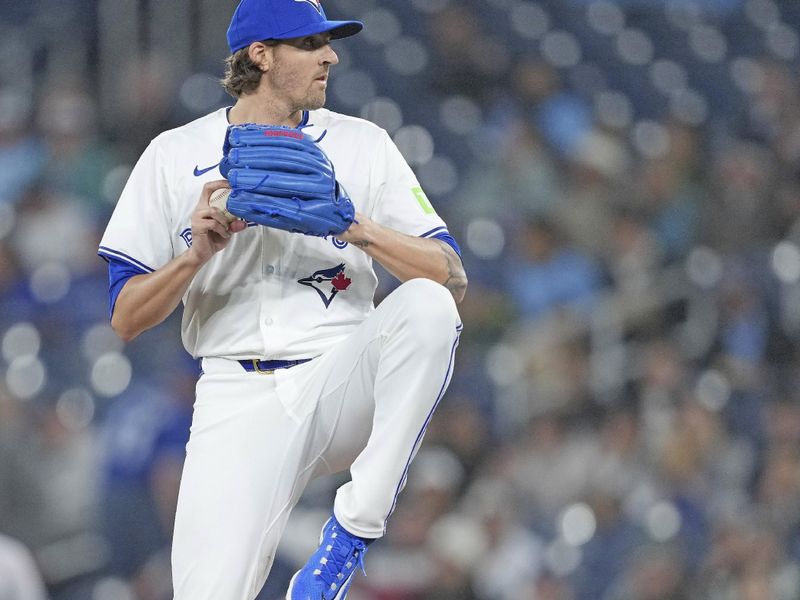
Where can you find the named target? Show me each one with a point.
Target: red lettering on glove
(280, 133)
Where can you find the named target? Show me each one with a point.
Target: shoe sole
(340, 596)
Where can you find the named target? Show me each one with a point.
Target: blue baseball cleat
(329, 571)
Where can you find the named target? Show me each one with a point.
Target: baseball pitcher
(264, 218)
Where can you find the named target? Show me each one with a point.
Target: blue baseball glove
(281, 178)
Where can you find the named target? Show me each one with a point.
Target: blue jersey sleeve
(118, 274)
(449, 240)
(441, 233)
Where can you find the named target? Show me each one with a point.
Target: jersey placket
(270, 293)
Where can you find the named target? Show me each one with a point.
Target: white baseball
(219, 200)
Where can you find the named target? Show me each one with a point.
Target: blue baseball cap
(256, 20)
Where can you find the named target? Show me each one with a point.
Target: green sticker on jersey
(424, 203)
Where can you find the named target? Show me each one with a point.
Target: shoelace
(341, 553)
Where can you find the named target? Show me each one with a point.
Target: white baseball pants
(257, 440)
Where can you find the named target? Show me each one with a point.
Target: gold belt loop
(261, 371)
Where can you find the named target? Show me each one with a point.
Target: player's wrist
(362, 233)
(194, 259)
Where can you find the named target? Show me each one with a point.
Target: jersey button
(269, 269)
(268, 321)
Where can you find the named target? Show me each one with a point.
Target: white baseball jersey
(269, 293)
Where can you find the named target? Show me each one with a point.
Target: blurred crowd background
(624, 181)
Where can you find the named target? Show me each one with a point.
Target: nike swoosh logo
(198, 172)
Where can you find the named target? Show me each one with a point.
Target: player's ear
(261, 55)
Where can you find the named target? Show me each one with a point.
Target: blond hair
(242, 75)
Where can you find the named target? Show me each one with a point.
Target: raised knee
(430, 305)
(433, 295)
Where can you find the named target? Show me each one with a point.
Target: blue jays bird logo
(314, 3)
(319, 280)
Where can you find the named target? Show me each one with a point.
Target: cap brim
(345, 29)
(338, 30)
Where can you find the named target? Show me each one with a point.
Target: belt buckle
(261, 371)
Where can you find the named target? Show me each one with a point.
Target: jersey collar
(303, 121)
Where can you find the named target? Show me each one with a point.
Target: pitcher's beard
(314, 101)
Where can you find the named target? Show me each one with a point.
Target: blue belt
(265, 367)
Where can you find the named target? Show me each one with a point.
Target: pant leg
(246, 465)
(377, 394)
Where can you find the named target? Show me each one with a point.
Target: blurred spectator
(19, 576)
(593, 189)
(513, 175)
(59, 458)
(46, 214)
(463, 428)
(546, 274)
(22, 155)
(743, 179)
(458, 545)
(402, 568)
(16, 304)
(615, 543)
(78, 160)
(621, 463)
(671, 191)
(514, 557)
(549, 587)
(634, 258)
(747, 562)
(744, 326)
(563, 117)
(21, 498)
(469, 61)
(778, 488)
(550, 465)
(143, 446)
(144, 102)
(774, 112)
(657, 573)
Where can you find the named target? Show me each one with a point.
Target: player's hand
(356, 234)
(211, 231)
